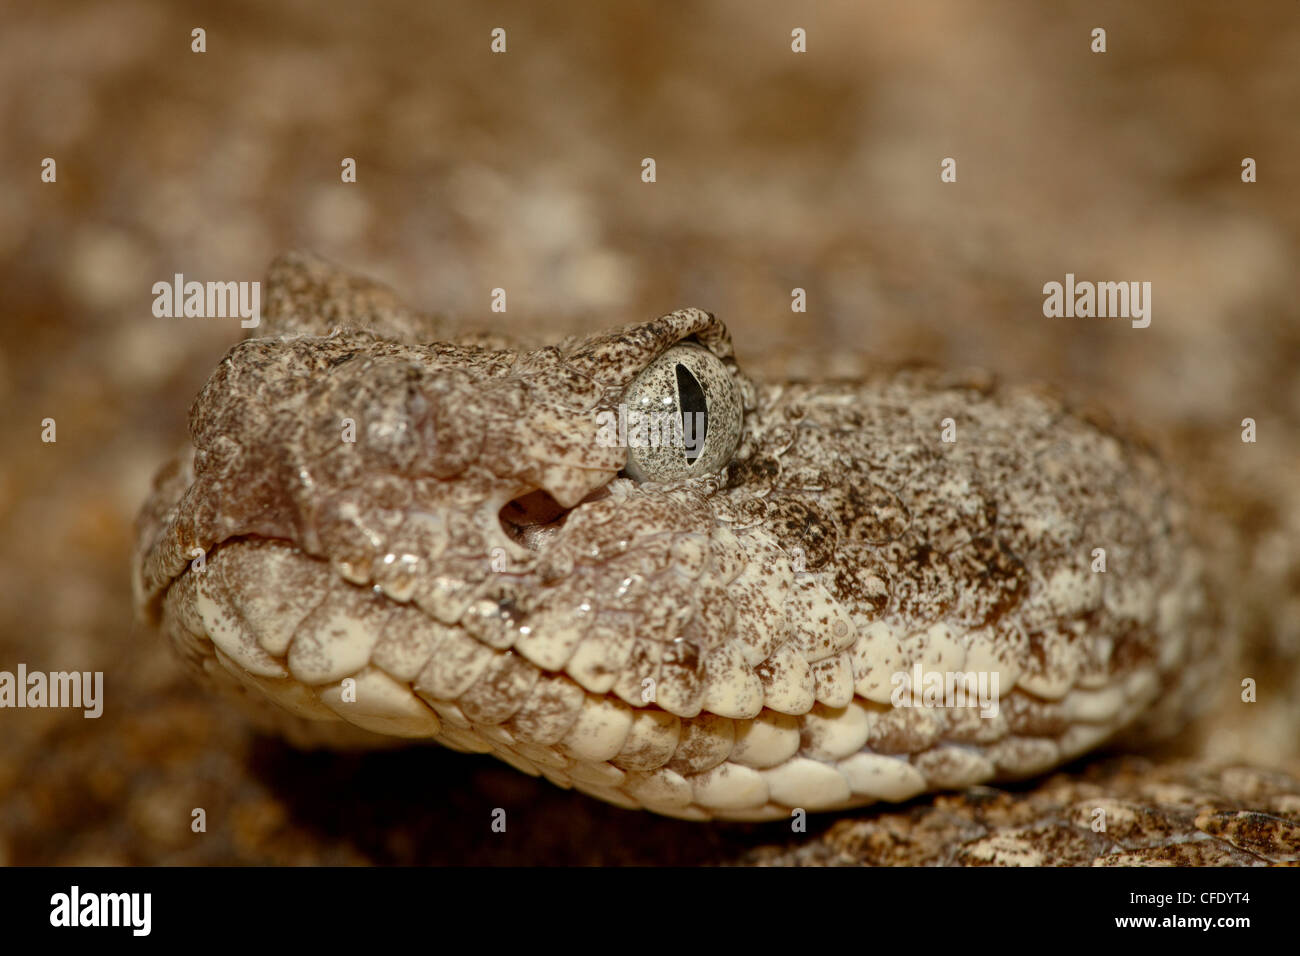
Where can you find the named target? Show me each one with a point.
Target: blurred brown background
(775, 170)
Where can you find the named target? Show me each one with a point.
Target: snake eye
(683, 416)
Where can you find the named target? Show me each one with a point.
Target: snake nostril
(532, 518)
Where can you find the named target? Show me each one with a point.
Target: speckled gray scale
(477, 568)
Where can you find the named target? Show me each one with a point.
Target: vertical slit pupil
(695, 412)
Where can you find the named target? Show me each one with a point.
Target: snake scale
(717, 632)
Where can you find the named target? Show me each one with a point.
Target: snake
(386, 529)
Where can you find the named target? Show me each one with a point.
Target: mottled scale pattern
(719, 646)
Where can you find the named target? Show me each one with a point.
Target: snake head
(384, 525)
